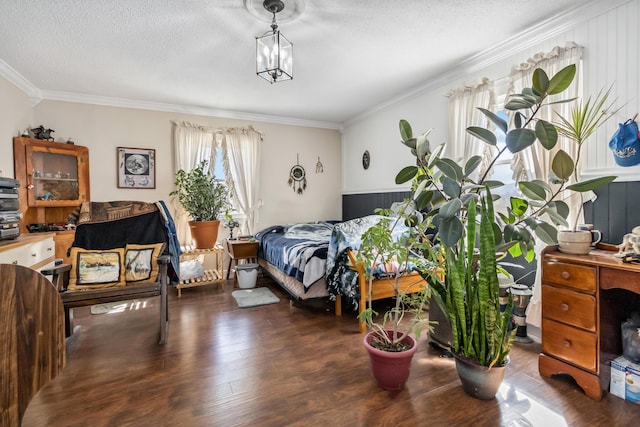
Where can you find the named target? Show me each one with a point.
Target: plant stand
(212, 275)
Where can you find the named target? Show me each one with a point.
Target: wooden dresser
(585, 298)
(36, 251)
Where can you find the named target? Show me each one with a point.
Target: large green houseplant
(205, 200)
(472, 235)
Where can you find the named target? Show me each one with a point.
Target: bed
(312, 260)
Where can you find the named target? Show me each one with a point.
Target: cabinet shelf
(42, 178)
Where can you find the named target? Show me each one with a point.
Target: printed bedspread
(299, 250)
(348, 235)
(310, 251)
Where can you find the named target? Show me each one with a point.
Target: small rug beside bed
(254, 297)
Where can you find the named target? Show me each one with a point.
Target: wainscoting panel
(357, 205)
(616, 210)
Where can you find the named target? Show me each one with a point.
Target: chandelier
(274, 53)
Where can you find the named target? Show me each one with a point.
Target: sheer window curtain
(463, 112)
(192, 144)
(535, 161)
(242, 148)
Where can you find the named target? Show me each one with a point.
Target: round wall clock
(366, 159)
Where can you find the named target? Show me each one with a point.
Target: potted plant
(585, 118)
(392, 338)
(472, 235)
(204, 199)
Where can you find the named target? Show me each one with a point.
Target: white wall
(103, 128)
(15, 116)
(609, 33)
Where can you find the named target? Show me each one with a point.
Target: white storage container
(247, 275)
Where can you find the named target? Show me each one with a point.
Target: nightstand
(241, 249)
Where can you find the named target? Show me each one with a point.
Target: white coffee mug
(596, 236)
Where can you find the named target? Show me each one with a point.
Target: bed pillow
(94, 269)
(317, 231)
(141, 263)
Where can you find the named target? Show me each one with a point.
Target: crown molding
(183, 109)
(526, 39)
(33, 93)
(36, 95)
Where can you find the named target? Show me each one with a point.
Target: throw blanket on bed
(298, 250)
(348, 235)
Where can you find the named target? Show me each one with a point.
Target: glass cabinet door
(53, 177)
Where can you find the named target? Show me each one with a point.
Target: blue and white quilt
(299, 250)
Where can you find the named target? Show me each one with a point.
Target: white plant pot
(575, 242)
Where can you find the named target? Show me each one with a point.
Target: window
(502, 168)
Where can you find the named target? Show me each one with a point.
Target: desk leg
(229, 268)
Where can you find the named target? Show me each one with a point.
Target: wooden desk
(585, 298)
(241, 249)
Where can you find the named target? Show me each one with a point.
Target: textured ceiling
(349, 55)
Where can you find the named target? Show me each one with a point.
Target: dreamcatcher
(297, 177)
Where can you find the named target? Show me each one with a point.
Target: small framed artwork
(136, 167)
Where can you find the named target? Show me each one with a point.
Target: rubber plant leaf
(591, 184)
(562, 165)
(497, 120)
(546, 134)
(406, 174)
(519, 139)
(484, 134)
(562, 79)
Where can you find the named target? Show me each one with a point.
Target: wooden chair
(32, 343)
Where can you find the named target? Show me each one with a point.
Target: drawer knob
(566, 343)
(15, 262)
(565, 275)
(565, 307)
(49, 249)
(34, 254)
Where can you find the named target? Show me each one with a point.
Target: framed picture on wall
(136, 167)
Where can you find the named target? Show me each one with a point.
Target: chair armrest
(58, 269)
(60, 276)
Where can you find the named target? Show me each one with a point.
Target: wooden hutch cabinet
(585, 299)
(54, 181)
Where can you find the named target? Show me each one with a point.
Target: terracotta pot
(479, 381)
(205, 233)
(575, 242)
(390, 369)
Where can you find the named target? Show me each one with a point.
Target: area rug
(117, 307)
(254, 297)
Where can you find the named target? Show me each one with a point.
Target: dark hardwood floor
(280, 365)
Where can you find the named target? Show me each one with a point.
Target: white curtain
(192, 144)
(463, 113)
(535, 161)
(242, 147)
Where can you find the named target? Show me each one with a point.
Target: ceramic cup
(596, 236)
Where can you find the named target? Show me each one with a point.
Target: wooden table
(241, 249)
(585, 298)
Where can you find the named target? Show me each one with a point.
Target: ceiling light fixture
(274, 53)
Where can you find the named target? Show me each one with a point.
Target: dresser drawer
(570, 344)
(569, 275)
(34, 254)
(570, 307)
